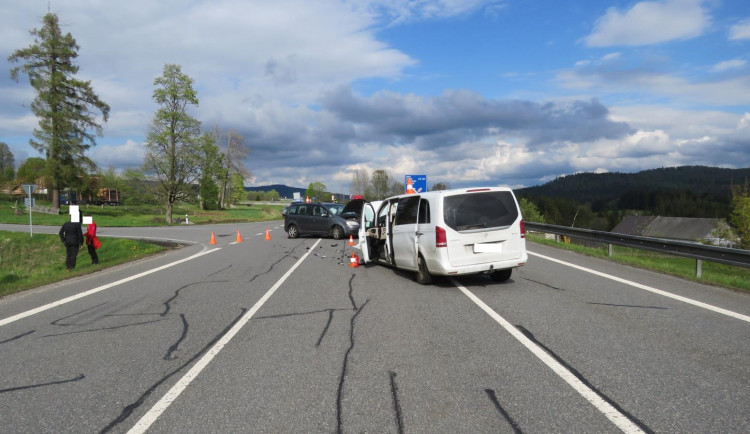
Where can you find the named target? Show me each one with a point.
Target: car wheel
(501, 275)
(423, 275)
(337, 232)
(293, 231)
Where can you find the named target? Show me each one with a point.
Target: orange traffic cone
(268, 235)
(213, 239)
(351, 240)
(239, 237)
(354, 262)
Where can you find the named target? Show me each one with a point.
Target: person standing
(92, 242)
(72, 236)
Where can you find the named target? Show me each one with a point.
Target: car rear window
(492, 209)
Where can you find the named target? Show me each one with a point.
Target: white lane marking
(610, 412)
(98, 289)
(710, 307)
(149, 418)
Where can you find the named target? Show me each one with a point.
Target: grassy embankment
(713, 273)
(30, 261)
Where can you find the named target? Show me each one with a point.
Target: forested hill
(604, 187)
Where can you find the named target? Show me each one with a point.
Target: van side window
(424, 211)
(406, 213)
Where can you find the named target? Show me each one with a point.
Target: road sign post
(29, 188)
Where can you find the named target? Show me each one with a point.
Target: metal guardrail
(699, 252)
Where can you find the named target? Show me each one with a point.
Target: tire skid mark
(513, 424)
(104, 328)
(57, 322)
(272, 265)
(344, 368)
(628, 305)
(219, 271)
(544, 284)
(325, 329)
(129, 409)
(182, 337)
(583, 379)
(17, 337)
(51, 383)
(396, 403)
(286, 315)
(167, 304)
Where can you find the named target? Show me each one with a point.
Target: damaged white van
(446, 233)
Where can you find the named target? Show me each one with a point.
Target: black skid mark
(544, 284)
(57, 321)
(51, 383)
(219, 271)
(128, 410)
(271, 267)
(175, 345)
(286, 315)
(351, 291)
(104, 328)
(396, 403)
(325, 329)
(629, 305)
(344, 368)
(17, 337)
(168, 307)
(583, 379)
(513, 424)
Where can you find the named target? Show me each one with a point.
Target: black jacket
(71, 234)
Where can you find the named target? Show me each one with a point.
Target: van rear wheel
(423, 275)
(293, 231)
(501, 275)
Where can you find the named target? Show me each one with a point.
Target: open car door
(367, 221)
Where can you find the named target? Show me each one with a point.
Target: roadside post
(29, 202)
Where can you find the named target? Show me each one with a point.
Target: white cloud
(740, 31)
(646, 85)
(728, 64)
(650, 22)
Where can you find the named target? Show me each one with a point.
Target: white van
(446, 233)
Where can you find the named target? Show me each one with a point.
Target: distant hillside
(283, 190)
(598, 187)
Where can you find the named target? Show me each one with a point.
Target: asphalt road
(282, 335)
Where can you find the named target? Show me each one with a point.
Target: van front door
(367, 236)
(405, 233)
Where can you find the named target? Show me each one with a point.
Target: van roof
(453, 191)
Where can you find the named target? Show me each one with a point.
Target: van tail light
(441, 240)
(523, 230)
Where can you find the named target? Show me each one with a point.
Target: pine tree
(64, 105)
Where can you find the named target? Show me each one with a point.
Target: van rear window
(493, 209)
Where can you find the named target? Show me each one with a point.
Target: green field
(144, 215)
(30, 261)
(713, 273)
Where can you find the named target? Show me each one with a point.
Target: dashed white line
(710, 307)
(98, 289)
(610, 412)
(153, 414)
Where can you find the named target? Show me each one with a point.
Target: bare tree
(360, 182)
(234, 151)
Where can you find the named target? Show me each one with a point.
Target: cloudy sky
(469, 92)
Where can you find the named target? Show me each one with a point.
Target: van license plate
(488, 248)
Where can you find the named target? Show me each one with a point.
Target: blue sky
(469, 92)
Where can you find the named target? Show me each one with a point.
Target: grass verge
(27, 262)
(713, 273)
(144, 215)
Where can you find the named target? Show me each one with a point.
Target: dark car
(321, 219)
